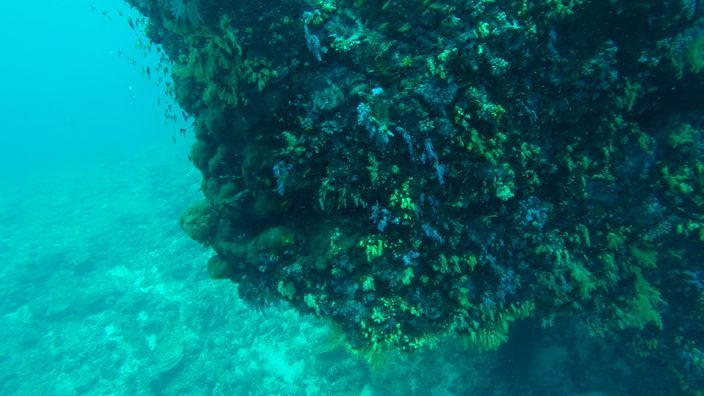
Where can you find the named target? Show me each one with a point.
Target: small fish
(173, 139)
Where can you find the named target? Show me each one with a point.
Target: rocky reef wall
(419, 169)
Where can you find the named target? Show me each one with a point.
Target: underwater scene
(352, 197)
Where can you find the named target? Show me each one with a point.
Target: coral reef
(417, 170)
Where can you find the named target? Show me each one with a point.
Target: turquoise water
(102, 291)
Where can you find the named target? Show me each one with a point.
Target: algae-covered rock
(219, 268)
(414, 170)
(198, 221)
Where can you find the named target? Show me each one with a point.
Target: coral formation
(415, 170)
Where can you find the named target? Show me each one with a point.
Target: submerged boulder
(418, 169)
